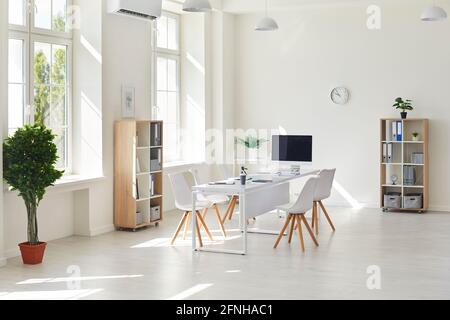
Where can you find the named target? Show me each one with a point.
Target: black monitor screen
(292, 148)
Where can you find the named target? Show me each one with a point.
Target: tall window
(39, 69)
(167, 82)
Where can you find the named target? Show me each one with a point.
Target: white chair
(296, 214)
(323, 191)
(227, 173)
(183, 201)
(214, 199)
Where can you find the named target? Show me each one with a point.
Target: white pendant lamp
(266, 23)
(197, 6)
(434, 13)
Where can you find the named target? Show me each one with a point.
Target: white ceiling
(247, 6)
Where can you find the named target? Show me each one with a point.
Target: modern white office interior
(224, 149)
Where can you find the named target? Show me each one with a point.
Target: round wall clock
(340, 95)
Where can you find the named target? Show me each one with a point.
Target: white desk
(254, 199)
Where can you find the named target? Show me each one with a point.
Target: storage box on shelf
(404, 164)
(138, 174)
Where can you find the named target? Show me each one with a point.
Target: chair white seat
(322, 192)
(285, 207)
(296, 214)
(199, 206)
(214, 198)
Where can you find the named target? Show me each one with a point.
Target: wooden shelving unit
(402, 152)
(138, 173)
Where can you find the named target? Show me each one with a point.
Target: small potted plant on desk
(404, 105)
(29, 158)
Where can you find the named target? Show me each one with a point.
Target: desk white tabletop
(251, 186)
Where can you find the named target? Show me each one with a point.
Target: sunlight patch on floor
(72, 279)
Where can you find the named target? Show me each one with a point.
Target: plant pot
(404, 115)
(32, 254)
(416, 138)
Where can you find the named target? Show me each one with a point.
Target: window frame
(174, 55)
(69, 87)
(16, 35)
(29, 34)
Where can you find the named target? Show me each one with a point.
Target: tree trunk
(33, 238)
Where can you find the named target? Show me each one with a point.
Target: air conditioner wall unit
(140, 9)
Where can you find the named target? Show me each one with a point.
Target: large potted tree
(29, 158)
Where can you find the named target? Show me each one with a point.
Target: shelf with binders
(391, 153)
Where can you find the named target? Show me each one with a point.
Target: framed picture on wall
(128, 103)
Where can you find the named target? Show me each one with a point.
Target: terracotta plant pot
(32, 254)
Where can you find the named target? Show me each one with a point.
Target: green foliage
(29, 158)
(415, 134)
(251, 142)
(403, 105)
(59, 24)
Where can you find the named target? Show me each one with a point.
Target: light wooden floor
(412, 252)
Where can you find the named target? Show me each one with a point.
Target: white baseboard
(102, 230)
(370, 205)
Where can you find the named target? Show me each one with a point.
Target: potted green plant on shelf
(415, 136)
(252, 144)
(404, 105)
(29, 158)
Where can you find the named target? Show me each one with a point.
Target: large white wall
(284, 79)
(3, 101)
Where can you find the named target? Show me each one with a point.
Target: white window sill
(73, 180)
(68, 181)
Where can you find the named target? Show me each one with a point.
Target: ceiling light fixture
(434, 13)
(266, 23)
(197, 6)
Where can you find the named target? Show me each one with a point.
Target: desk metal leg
(194, 221)
(243, 220)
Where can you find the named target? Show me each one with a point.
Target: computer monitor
(292, 149)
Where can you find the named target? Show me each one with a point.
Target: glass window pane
(172, 33)
(161, 36)
(61, 145)
(42, 104)
(59, 65)
(162, 105)
(172, 74)
(15, 105)
(57, 116)
(161, 73)
(43, 14)
(172, 107)
(42, 60)
(15, 61)
(59, 15)
(17, 12)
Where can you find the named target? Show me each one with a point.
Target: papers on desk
(222, 183)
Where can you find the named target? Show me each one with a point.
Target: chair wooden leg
(288, 219)
(327, 216)
(316, 218)
(291, 231)
(204, 213)
(180, 225)
(313, 214)
(309, 230)
(186, 225)
(219, 220)
(233, 206)
(199, 235)
(300, 233)
(202, 222)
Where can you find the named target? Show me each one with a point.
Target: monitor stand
(292, 170)
(295, 169)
